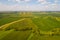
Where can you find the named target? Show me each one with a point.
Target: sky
(29, 5)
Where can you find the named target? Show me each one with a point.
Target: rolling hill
(36, 27)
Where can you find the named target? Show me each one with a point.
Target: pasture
(30, 26)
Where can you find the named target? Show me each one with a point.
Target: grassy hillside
(46, 23)
(30, 26)
(17, 35)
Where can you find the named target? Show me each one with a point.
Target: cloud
(39, 7)
(19, 1)
(43, 2)
(15, 0)
(56, 1)
(27, 0)
(46, 2)
(28, 7)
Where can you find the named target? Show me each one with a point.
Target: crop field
(29, 25)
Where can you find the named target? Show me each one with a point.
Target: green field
(30, 26)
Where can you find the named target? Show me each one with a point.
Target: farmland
(30, 26)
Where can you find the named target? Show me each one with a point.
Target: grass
(46, 23)
(17, 35)
(34, 27)
(8, 20)
(25, 24)
(5, 33)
